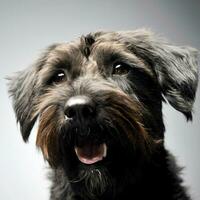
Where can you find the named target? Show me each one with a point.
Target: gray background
(26, 27)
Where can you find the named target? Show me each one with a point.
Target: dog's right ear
(24, 91)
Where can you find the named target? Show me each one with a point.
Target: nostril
(87, 110)
(70, 112)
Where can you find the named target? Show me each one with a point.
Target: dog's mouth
(91, 153)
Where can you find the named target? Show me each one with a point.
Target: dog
(98, 102)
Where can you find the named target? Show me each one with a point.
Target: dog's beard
(118, 128)
(50, 123)
(86, 164)
(93, 182)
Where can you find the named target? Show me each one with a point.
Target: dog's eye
(121, 69)
(58, 77)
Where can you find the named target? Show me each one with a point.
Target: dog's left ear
(176, 67)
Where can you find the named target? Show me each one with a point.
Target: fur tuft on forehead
(86, 42)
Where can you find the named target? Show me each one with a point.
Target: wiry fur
(127, 113)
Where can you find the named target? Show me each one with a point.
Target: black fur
(122, 78)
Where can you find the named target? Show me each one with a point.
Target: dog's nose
(79, 107)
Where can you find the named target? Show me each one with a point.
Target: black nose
(79, 107)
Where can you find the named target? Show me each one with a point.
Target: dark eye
(121, 69)
(58, 77)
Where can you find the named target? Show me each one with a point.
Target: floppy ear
(24, 91)
(176, 67)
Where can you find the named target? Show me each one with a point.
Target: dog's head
(99, 101)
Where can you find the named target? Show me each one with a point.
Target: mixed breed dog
(98, 101)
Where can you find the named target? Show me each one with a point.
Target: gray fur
(24, 90)
(176, 67)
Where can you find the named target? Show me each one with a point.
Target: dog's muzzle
(81, 110)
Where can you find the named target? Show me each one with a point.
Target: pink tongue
(90, 153)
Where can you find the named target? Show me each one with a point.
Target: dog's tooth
(76, 151)
(105, 150)
(66, 118)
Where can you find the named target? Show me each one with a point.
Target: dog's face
(99, 99)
